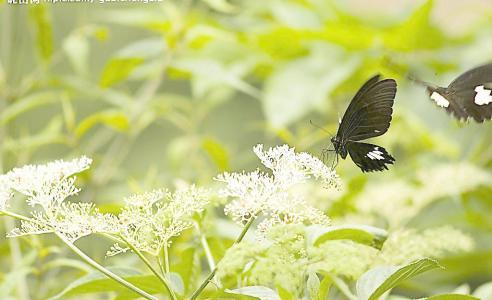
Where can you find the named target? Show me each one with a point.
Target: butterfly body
(368, 116)
(469, 96)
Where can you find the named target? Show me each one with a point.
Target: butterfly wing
(369, 157)
(369, 112)
(472, 78)
(470, 94)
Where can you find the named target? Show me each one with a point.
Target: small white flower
(47, 185)
(150, 220)
(274, 195)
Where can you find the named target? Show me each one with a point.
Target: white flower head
(73, 220)
(151, 219)
(272, 195)
(5, 192)
(47, 185)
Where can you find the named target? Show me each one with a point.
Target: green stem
(149, 265)
(212, 274)
(103, 270)
(85, 258)
(342, 287)
(166, 258)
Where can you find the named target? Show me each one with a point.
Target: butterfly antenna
(319, 127)
(420, 82)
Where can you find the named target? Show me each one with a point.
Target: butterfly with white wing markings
(469, 96)
(368, 115)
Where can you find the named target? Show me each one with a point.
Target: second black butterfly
(368, 115)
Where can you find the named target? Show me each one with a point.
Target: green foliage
(175, 92)
(377, 281)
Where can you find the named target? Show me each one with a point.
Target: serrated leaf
(260, 292)
(217, 153)
(97, 282)
(118, 69)
(114, 119)
(377, 281)
(363, 234)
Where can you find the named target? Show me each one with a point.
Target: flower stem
(86, 258)
(149, 265)
(212, 274)
(103, 270)
(166, 258)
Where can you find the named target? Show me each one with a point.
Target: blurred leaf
(186, 267)
(260, 292)
(112, 118)
(217, 153)
(302, 85)
(416, 32)
(44, 32)
(221, 5)
(147, 18)
(452, 297)
(176, 282)
(362, 234)
(10, 280)
(28, 103)
(118, 69)
(377, 281)
(313, 285)
(76, 47)
(209, 74)
(324, 288)
(284, 294)
(50, 134)
(484, 291)
(97, 282)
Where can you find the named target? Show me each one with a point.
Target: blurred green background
(178, 91)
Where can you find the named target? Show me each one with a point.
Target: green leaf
(324, 287)
(362, 234)
(217, 153)
(118, 69)
(260, 292)
(98, 283)
(28, 103)
(452, 297)
(176, 282)
(114, 119)
(377, 281)
(185, 267)
(416, 32)
(313, 285)
(76, 48)
(484, 291)
(302, 85)
(44, 31)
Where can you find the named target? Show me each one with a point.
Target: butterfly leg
(334, 162)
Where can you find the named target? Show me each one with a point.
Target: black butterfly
(367, 116)
(468, 96)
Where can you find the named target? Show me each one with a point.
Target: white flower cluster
(150, 220)
(47, 187)
(272, 196)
